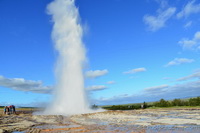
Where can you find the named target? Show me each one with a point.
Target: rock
(3, 131)
(34, 130)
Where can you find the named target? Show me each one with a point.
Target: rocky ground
(134, 121)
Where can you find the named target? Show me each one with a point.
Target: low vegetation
(178, 102)
(192, 102)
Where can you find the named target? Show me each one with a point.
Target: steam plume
(70, 96)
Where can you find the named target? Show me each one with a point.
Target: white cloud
(135, 70)
(192, 44)
(178, 61)
(190, 89)
(110, 82)
(163, 3)
(21, 84)
(188, 24)
(192, 76)
(197, 36)
(187, 44)
(96, 73)
(96, 88)
(156, 22)
(156, 88)
(189, 9)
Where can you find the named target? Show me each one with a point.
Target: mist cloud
(67, 34)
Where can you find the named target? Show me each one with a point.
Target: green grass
(181, 103)
(176, 107)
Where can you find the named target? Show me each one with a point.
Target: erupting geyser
(70, 96)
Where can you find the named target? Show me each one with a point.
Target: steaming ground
(148, 120)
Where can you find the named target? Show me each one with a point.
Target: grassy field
(177, 107)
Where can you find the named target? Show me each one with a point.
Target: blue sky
(137, 50)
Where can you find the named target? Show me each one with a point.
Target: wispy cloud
(156, 22)
(96, 73)
(110, 82)
(178, 90)
(96, 88)
(178, 61)
(192, 76)
(188, 24)
(160, 88)
(21, 84)
(135, 70)
(190, 8)
(190, 89)
(192, 44)
(163, 3)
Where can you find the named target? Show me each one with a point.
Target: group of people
(9, 110)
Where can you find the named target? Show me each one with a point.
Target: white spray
(70, 96)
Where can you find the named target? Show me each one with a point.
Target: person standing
(8, 110)
(5, 109)
(11, 109)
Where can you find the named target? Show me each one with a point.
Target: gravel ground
(134, 121)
